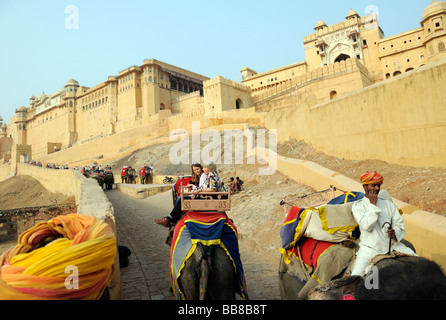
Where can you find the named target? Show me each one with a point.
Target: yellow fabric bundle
(76, 264)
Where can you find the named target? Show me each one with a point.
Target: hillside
(423, 187)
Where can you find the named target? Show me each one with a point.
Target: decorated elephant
(131, 175)
(145, 175)
(208, 274)
(109, 179)
(206, 270)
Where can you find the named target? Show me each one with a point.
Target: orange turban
(371, 178)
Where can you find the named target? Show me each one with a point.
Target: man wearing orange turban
(379, 221)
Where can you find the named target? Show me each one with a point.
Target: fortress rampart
(401, 120)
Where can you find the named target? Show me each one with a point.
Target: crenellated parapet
(366, 22)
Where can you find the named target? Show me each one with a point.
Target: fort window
(396, 73)
(437, 24)
(333, 95)
(441, 47)
(410, 69)
(387, 75)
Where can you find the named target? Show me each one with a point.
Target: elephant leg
(189, 278)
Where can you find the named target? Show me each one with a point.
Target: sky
(45, 43)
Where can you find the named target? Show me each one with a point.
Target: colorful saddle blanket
(333, 222)
(311, 251)
(208, 228)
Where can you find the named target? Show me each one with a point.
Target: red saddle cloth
(311, 250)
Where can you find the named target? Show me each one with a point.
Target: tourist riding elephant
(401, 277)
(209, 275)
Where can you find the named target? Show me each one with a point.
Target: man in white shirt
(379, 221)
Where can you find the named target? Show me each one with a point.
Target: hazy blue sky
(210, 37)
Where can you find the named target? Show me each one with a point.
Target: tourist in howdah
(212, 183)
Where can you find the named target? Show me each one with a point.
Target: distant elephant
(145, 175)
(400, 278)
(209, 275)
(131, 175)
(109, 180)
(149, 175)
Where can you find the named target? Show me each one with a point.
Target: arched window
(396, 73)
(333, 95)
(387, 75)
(410, 69)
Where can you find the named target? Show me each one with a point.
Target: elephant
(145, 175)
(295, 281)
(209, 275)
(131, 175)
(109, 180)
(402, 277)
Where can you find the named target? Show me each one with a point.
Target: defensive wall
(325, 83)
(401, 120)
(425, 230)
(90, 201)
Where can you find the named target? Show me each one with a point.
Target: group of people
(204, 178)
(95, 169)
(235, 185)
(129, 174)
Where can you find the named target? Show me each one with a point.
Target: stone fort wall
(400, 120)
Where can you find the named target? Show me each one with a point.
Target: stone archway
(238, 103)
(342, 57)
(24, 158)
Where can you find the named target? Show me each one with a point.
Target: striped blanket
(208, 228)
